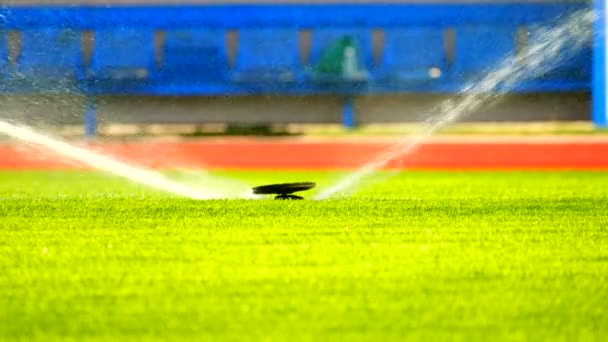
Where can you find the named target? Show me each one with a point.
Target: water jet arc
(102, 162)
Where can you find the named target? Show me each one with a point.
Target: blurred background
(128, 67)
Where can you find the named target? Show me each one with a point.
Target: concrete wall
(276, 109)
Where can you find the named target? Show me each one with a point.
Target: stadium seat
(122, 54)
(194, 55)
(325, 39)
(267, 55)
(479, 49)
(60, 59)
(3, 55)
(411, 54)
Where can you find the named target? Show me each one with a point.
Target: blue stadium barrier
(267, 55)
(183, 50)
(50, 55)
(193, 56)
(414, 54)
(479, 48)
(122, 54)
(4, 72)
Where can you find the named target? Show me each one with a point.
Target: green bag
(340, 60)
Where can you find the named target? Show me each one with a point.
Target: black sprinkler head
(284, 191)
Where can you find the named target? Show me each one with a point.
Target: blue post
(90, 120)
(599, 94)
(348, 112)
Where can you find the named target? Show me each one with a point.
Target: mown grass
(417, 255)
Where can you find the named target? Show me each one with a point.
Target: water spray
(542, 55)
(105, 163)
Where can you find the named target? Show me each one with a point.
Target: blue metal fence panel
(122, 54)
(50, 54)
(267, 55)
(412, 54)
(3, 55)
(478, 49)
(193, 56)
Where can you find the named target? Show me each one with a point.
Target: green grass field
(419, 255)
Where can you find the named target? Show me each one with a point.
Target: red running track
(474, 154)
